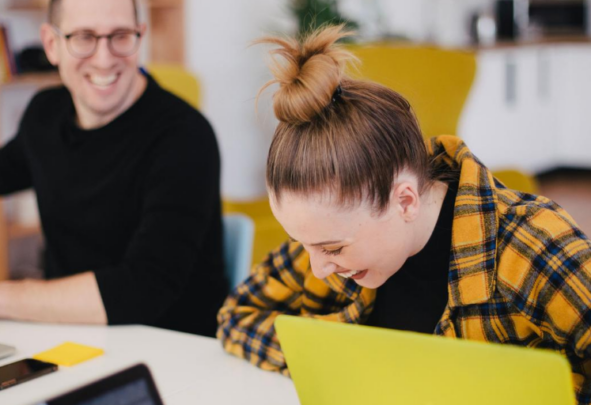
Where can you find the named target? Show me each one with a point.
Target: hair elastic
(337, 94)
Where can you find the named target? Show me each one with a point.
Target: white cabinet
(530, 108)
(573, 66)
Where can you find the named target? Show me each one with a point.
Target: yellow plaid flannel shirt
(520, 273)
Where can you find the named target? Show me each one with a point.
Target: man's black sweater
(136, 201)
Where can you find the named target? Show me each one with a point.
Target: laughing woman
(392, 232)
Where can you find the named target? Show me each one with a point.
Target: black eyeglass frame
(97, 38)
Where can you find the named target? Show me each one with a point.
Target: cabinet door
(572, 67)
(511, 119)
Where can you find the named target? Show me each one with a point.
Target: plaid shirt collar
(472, 273)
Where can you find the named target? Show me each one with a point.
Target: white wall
(218, 37)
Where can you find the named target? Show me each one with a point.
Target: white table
(188, 369)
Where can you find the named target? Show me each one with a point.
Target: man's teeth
(103, 81)
(349, 273)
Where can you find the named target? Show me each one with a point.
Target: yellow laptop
(341, 364)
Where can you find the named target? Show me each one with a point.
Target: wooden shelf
(165, 3)
(27, 4)
(544, 40)
(40, 79)
(167, 35)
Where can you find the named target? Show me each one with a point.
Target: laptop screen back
(334, 363)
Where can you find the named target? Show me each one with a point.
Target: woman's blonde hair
(348, 136)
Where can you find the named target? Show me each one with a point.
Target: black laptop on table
(132, 386)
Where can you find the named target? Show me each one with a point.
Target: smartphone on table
(23, 370)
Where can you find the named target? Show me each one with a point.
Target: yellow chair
(178, 81)
(435, 81)
(517, 180)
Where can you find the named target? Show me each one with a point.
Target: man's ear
(143, 28)
(405, 197)
(50, 43)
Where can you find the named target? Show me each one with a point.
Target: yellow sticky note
(69, 354)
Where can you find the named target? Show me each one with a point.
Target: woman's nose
(321, 267)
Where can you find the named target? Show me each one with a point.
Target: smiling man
(127, 182)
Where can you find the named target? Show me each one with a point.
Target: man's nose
(103, 56)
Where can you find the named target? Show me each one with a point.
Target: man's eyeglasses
(83, 44)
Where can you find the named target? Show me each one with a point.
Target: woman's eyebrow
(328, 242)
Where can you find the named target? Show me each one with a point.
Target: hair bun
(308, 73)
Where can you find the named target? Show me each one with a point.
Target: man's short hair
(55, 5)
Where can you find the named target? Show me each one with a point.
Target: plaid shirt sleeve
(282, 284)
(555, 293)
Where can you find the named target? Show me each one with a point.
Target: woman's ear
(49, 40)
(405, 198)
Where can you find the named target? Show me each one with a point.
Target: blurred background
(510, 77)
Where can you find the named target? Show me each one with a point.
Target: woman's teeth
(349, 273)
(103, 81)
